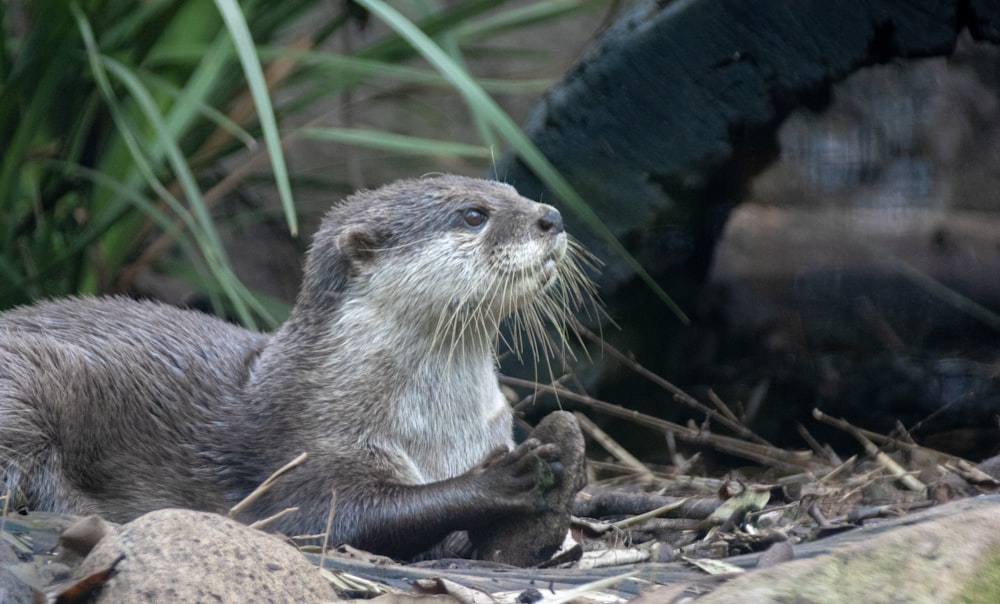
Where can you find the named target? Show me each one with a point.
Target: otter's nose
(551, 221)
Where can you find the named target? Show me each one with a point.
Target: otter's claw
(522, 473)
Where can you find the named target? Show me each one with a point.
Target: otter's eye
(474, 217)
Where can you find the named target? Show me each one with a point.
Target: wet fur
(384, 374)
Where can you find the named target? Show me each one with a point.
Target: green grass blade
(199, 108)
(240, 33)
(130, 196)
(206, 238)
(398, 143)
(211, 244)
(125, 195)
(345, 71)
(206, 233)
(395, 49)
(475, 96)
(191, 98)
(523, 16)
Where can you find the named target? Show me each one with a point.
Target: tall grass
(119, 119)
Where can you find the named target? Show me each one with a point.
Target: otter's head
(450, 257)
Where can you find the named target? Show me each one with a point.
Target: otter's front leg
(404, 520)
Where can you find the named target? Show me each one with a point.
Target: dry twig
(726, 419)
(767, 454)
(329, 525)
(266, 521)
(264, 486)
(612, 446)
(909, 480)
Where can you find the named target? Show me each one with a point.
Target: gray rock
(12, 589)
(186, 556)
(947, 554)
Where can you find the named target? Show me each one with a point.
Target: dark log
(664, 121)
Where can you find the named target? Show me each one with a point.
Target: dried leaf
(713, 567)
(81, 590)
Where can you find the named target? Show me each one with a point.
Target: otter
(384, 373)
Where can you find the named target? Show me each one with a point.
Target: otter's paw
(530, 468)
(529, 539)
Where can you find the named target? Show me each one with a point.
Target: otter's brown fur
(384, 374)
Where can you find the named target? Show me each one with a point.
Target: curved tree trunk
(675, 109)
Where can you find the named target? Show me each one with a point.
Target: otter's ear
(359, 245)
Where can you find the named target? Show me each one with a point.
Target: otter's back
(81, 377)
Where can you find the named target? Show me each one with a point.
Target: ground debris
(685, 529)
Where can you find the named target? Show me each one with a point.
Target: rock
(186, 556)
(947, 554)
(80, 538)
(12, 589)
(528, 540)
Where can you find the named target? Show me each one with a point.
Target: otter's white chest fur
(451, 416)
(432, 410)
